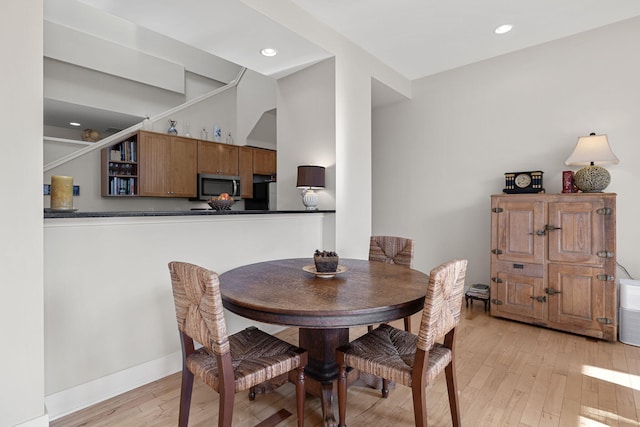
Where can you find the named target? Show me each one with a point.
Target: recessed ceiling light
(267, 51)
(74, 124)
(502, 29)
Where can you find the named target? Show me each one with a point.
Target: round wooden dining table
(287, 292)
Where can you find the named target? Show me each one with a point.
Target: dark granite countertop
(197, 212)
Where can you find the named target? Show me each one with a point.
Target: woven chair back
(443, 302)
(391, 250)
(199, 311)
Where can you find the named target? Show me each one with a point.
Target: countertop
(198, 212)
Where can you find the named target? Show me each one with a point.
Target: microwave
(210, 185)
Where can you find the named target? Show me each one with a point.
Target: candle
(61, 192)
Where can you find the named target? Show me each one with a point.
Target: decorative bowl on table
(326, 261)
(221, 205)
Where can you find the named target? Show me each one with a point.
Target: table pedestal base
(321, 374)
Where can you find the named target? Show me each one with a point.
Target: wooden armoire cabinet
(553, 261)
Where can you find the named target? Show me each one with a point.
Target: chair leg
(300, 396)
(369, 328)
(185, 397)
(407, 324)
(342, 391)
(252, 393)
(452, 389)
(225, 411)
(385, 388)
(419, 405)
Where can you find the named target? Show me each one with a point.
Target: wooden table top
(281, 292)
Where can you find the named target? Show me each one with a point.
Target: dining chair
(392, 250)
(226, 363)
(414, 361)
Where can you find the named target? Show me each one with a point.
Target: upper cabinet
(264, 162)
(155, 164)
(245, 166)
(217, 159)
(167, 165)
(255, 161)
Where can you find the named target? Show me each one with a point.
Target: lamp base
(592, 179)
(310, 199)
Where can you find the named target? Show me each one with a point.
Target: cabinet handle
(540, 232)
(552, 291)
(551, 227)
(605, 254)
(496, 279)
(540, 298)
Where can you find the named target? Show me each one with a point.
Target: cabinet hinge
(497, 210)
(496, 251)
(604, 211)
(605, 277)
(605, 254)
(496, 301)
(496, 279)
(604, 320)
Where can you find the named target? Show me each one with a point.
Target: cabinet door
(518, 297)
(228, 157)
(245, 166)
(519, 231)
(576, 232)
(576, 298)
(264, 162)
(154, 152)
(183, 167)
(217, 159)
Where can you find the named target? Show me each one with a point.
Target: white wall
(108, 301)
(21, 317)
(306, 132)
(255, 95)
(440, 155)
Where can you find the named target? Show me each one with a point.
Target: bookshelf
(119, 168)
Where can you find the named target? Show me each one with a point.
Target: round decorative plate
(312, 269)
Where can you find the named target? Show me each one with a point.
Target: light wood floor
(509, 374)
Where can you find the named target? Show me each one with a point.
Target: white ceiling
(415, 37)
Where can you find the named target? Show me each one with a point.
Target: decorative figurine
(172, 127)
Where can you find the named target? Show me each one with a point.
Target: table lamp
(591, 151)
(310, 178)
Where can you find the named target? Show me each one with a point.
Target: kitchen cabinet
(217, 159)
(264, 162)
(553, 261)
(245, 167)
(255, 161)
(167, 165)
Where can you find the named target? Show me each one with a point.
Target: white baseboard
(42, 421)
(79, 397)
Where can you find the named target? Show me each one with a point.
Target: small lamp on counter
(591, 151)
(310, 178)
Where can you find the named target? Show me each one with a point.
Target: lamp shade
(592, 150)
(310, 176)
